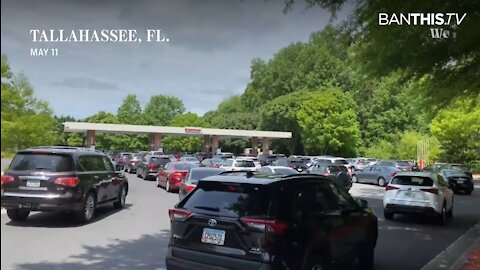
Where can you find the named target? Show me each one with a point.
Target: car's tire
(89, 207)
(381, 181)
(442, 217)
(366, 255)
(167, 186)
(388, 215)
(354, 179)
(122, 197)
(17, 214)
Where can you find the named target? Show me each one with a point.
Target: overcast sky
(207, 59)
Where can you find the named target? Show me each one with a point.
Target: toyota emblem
(212, 222)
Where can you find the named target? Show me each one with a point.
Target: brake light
(274, 226)
(67, 181)
(179, 215)
(7, 179)
(132, 162)
(430, 190)
(189, 188)
(391, 188)
(151, 166)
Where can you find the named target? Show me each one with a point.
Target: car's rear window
(196, 175)
(337, 169)
(454, 173)
(229, 199)
(183, 167)
(159, 160)
(403, 163)
(245, 163)
(386, 163)
(459, 167)
(45, 162)
(412, 181)
(323, 161)
(340, 162)
(193, 159)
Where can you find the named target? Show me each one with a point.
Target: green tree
(75, 139)
(329, 123)
(130, 111)
(161, 109)
(185, 144)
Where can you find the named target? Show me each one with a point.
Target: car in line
(296, 163)
(63, 179)
(224, 155)
(211, 162)
(376, 174)
(172, 174)
(244, 221)
(132, 164)
(255, 160)
(436, 167)
(458, 180)
(337, 173)
(238, 164)
(266, 159)
(402, 165)
(195, 174)
(122, 158)
(190, 159)
(150, 165)
(358, 163)
(421, 193)
(277, 170)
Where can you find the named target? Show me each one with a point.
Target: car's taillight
(391, 188)
(67, 181)
(190, 188)
(179, 215)
(430, 190)
(133, 162)
(7, 179)
(151, 166)
(274, 226)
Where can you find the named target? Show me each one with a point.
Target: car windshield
(407, 180)
(196, 175)
(45, 162)
(229, 199)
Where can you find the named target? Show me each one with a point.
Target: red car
(170, 177)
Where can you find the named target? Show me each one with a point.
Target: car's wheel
(167, 186)
(354, 179)
(442, 217)
(17, 214)
(388, 215)
(88, 208)
(122, 197)
(366, 255)
(381, 181)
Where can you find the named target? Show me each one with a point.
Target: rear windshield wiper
(209, 208)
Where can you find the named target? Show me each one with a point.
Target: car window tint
(245, 163)
(345, 201)
(340, 162)
(47, 162)
(196, 175)
(412, 181)
(229, 199)
(183, 167)
(108, 165)
(285, 171)
(312, 198)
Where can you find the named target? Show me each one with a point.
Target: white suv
(418, 193)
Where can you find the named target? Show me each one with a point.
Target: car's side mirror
(363, 204)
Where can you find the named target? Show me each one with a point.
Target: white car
(278, 170)
(418, 193)
(255, 160)
(238, 165)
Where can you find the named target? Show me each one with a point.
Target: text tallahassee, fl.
(93, 35)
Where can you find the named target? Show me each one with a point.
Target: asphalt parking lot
(136, 237)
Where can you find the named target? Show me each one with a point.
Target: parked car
(277, 170)
(358, 163)
(131, 166)
(211, 162)
(224, 155)
(335, 161)
(402, 165)
(458, 180)
(462, 167)
(63, 179)
(266, 159)
(150, 165)
(190, 159)
(238, 164)
(172, 174)
(337, 173)
(379, 175)
(418, 193)
(202, 155)
(193, 177)
(122, 158)
(255, 160)
(296, 163)
(372, 161)
(247, 222)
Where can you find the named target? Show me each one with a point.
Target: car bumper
(464, 187)
(48, 202)
(410, 209)
(184, 259)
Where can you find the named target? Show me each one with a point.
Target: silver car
(379, 175)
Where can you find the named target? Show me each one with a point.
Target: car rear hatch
(412, 190)
(38, 173)
(226, 219)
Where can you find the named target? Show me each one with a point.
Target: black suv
(247, 221)
(61, 179)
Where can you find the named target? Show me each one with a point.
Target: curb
(455, 255)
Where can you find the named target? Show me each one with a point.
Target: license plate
(460, 181)
(212, 236)
(408, 194)
(33, 183)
